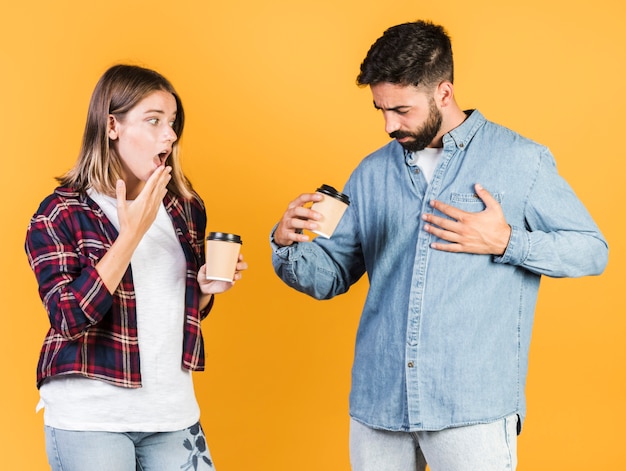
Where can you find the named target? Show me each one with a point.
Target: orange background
(273, 111)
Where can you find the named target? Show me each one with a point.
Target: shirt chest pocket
(470, 202)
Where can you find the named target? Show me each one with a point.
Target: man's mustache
(400, 134)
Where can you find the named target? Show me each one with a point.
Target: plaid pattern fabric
(94, 333)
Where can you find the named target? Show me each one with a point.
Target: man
(454, 222)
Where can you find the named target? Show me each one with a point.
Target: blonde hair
(119, 90)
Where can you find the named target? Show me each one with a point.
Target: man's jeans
(137, 451)
(483, 447)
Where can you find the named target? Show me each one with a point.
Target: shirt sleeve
(560, 238)
(322, 268)
(69, 285)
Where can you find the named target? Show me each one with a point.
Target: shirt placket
(414, 319)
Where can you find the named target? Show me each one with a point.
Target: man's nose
(391, 124)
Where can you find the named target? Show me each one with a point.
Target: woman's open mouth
(163, 157)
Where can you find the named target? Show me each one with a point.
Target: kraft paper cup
(222, 254)
(331, 208)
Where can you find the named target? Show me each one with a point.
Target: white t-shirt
(427, 160)
(166, 401)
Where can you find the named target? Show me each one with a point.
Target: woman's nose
(170, 134)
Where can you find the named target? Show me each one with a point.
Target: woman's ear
(112, 127)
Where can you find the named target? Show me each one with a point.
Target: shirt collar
(463, 134)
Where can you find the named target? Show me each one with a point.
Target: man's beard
(423, 136)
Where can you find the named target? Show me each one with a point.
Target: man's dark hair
(417, 53)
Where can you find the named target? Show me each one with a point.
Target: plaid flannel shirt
(94, 333)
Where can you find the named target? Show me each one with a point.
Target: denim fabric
(443, 338)
(483, 447)
(139, 451)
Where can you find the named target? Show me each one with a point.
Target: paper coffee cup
(222, 254)
(331, 208)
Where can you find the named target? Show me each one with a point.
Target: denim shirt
(443, 337)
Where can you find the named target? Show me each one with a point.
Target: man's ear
(112, 127)
(445, 92)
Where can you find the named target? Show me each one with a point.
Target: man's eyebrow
(395, 108)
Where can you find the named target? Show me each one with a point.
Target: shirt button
(410, 364)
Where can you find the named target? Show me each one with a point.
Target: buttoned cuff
(517, 250)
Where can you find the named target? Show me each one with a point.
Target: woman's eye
(154, 121)
(172, 123)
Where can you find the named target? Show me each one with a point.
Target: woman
(117, 250)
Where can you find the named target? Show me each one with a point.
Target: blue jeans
(134, 451)
(483, 447)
